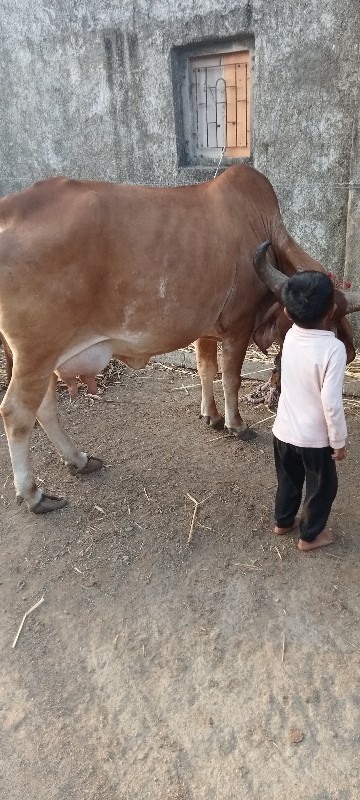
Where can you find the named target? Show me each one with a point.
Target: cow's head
(275, 324)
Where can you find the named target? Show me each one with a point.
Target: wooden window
(220, 96)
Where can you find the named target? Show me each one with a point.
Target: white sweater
(310, 411)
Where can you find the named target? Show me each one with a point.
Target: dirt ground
(223, 669)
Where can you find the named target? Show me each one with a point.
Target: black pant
(314, 466)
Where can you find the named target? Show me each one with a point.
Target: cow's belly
(132, 347)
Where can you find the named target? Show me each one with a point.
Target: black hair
(308, 297)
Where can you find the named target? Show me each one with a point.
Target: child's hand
(339, 455)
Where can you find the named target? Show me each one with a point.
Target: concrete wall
(352, 251)
(87, 90)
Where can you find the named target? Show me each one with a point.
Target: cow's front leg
(79, 463)
(207, 367)
(18, 409)
(233, 354)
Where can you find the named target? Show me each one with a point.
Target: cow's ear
(288, 315)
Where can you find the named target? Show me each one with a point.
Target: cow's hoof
(217, 426)
(47, 503)
(92, 465)
(247, 435)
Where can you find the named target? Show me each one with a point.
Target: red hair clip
(339, 284)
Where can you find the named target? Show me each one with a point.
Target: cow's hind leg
(18, 410)
(207, 366)
(77, 461)
(233, 354)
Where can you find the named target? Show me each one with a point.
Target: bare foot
(323, 538)
(283, 531)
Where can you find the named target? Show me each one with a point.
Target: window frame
(182, 58)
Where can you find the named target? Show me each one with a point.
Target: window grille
(220, 94)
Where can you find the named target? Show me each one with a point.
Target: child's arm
(332, 401)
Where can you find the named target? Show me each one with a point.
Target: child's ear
(332, 312)
(288, 315)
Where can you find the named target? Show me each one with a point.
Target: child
(310, 428)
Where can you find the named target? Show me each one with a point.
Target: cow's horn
(352, 301)
(272, 278)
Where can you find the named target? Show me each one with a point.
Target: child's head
(308, 297)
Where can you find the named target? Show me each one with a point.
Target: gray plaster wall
(87, 90)
(352, 252)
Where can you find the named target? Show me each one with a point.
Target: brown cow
(89, 270)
